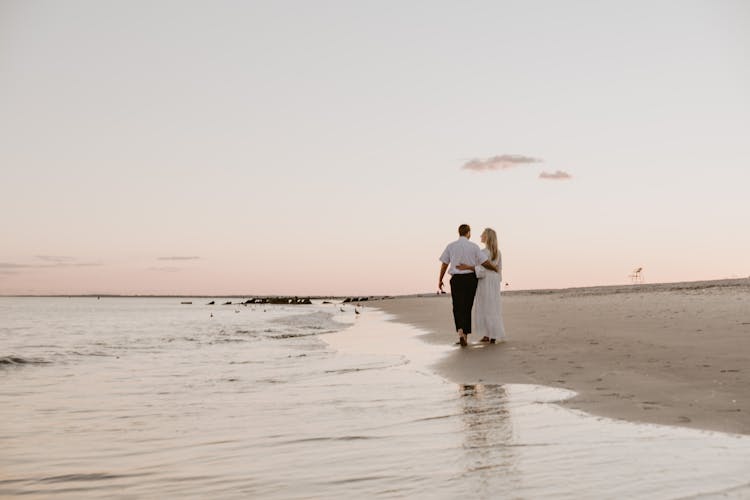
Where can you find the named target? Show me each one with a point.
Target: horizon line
(380, 296)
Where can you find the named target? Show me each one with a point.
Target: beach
(675, 354)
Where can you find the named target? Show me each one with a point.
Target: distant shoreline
(116, 296)
(596, 289)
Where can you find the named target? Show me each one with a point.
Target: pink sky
(301, 151)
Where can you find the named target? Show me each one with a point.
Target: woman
(486, 316)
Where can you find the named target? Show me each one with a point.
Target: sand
(676, 354)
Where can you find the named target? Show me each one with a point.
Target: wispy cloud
(55, 258)
(13, 265)
(67, 264)
(52, 262)
(500, 162)
(179, 257)
(556, 176)
(165, 269)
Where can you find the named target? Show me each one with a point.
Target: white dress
(487, 313)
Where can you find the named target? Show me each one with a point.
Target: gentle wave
(94, 476)
(319, 320)
(256, 405)
(18, 360)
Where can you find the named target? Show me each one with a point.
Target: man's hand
(489, 265)
(443, 268)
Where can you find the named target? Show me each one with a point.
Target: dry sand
(675, 354)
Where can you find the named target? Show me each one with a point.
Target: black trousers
(463, 290)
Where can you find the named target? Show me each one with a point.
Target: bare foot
(462, 338)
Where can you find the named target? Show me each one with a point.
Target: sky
(333, 147)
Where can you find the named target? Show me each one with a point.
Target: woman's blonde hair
(491, 243)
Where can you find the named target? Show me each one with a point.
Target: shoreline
(618, 288)
(671, 354)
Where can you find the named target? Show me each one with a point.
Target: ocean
(151, 398)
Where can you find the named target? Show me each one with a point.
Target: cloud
(12, 265)
(61, 261)
(557, 176)
(178, 257)
(56, 263)
(500, 162)
(165, 269)
(67, 264)
(58, 259)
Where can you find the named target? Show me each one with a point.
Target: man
(463, 283)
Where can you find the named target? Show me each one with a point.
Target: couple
(475, 283)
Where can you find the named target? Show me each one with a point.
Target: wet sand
(676, 354)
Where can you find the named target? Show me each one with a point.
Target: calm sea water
(146, 398)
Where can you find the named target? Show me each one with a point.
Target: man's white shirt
(462, 251)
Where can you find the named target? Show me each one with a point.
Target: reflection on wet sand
(488, 438)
